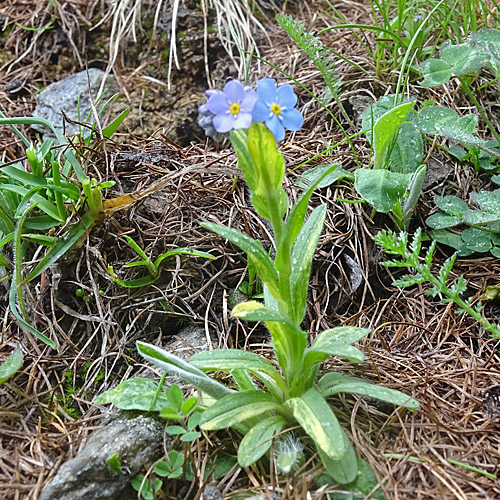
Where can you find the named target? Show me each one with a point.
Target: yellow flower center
(275, 108)
(235, 108)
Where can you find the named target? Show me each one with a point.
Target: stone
(137, 440)
(69, 94)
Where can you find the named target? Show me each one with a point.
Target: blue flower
(206, 118)
(276, 108)
(233, 108)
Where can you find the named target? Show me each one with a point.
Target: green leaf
(239, 140)
(382, 189)
(175, 430)
(334, 383)
(168, 412)
(302, 256)
(451, 205)
(11, 365)
(463, 58)
(441, 221)
(182, 251)
(344, 470)
(310, 176)
(437, 120)
(175, 397)
(315, 416)
(230, 359)
(436, 72)
(114, 464)
(476, 240)
(236, 408)
(189, 405)
(182, 369)
(255, 250)
(190, 436)
(385, 129)
(488, 200)
(479, 217)
(452, 240)
(113, 126)
(259, 439)
(134, 394)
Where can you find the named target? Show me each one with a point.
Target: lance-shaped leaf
(334, 383)
(302, 255)
(182, 369)
(315, 416)
(344, 470)
(259, 439)
(231, 359)
(236, 408)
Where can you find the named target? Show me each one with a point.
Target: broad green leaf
(230, 359)
(344, 470)
(259, 439)
(236, 408)
(488, 200)
(441, 221)
(453, 240)
(479, 217)
(11, 365)
(476, 240)
(134, 394)
(182, 369)
(353, 354)
(385, 129)
(382, 189)
(315, 416)
(334, 383)
(408, 152)
(320, 171)
(255, 251)
(302, 255)
(463, 58)
(451, 205)
(435, 72)
(437, 120)
(175, 397)
(243, 379)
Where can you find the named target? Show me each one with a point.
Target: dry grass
(416, 345)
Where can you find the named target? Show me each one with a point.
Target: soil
(417, 345)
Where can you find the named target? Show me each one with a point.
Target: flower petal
(243, 120)
(266, 88)
(275, 126)
(292, 119)
(223, 122)
(249, 101)
(234, 91)
(286, 96)
(261, 111)
(217, 104)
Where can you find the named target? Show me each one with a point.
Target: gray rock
(65, 94)
(136, 440)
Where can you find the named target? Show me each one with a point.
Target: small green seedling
(154, 267)
(11, 365)
(114, 464)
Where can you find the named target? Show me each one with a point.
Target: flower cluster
(238, 106)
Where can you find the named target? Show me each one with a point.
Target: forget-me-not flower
(276, 108)
(233, 108)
